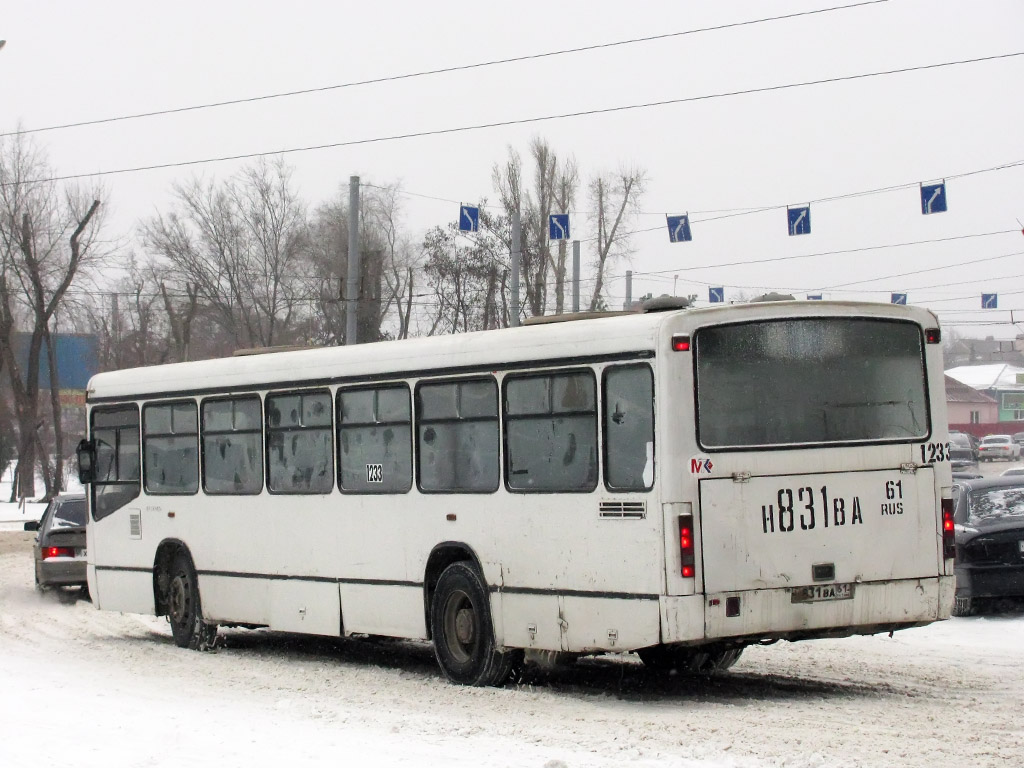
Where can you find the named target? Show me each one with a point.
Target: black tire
(460, 624)
(962, 606)
(689, 661)
(184, 609)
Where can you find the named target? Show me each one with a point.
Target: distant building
(1003, 384)
(966, 405)
(970, 352)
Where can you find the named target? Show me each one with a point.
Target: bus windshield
(808, 381)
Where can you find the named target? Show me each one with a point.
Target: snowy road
(98, 689)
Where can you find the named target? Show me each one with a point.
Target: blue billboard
(77, 358)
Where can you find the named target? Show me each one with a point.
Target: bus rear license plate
(822, 592)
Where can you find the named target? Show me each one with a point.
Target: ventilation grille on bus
(135, 525)
(623, 510)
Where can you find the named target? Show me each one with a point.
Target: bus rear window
(809, 381)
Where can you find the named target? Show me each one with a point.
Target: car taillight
(58, 552)
(948, 530)
(686, 551)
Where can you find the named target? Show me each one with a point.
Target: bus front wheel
(460, 623)
(184, 610)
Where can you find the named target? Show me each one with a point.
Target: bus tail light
(57, 552)
(680, 343)
(948, 530)
(686, 551)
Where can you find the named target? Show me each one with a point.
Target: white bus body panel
(768, 532)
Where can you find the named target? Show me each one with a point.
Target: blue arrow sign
(933, 198)
(679, 229)
(899, 298)
(558, 226)
(469, 218)
(799, 220)
(716, 295)
(989, 300)
(814, 297)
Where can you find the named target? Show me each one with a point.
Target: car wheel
(962, 606)
(692, 661)
(184, 609)
(460, 624)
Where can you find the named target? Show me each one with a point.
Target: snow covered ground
(104, 689)
(100, 689)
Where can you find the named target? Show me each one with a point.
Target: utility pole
(354, 267)
(513, 320)
(115, 331)
(575, 275)
(629, 290)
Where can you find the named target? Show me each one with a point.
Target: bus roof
(617, 335)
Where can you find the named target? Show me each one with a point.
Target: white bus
(680, 484)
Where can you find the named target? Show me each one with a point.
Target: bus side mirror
(86, 453)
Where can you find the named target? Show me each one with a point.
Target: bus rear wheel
(184, 610)
(460, 624)
(693, 661)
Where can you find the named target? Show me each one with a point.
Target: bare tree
(614, 199)
(386, 263)
(566, 184)
(47, 237)
(553, 190)
(469, 276)
(241, 247)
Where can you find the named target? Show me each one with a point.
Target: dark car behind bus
(989, 517)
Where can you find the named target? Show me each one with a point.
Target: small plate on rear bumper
(822, 592)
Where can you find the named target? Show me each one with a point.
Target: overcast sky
(69, 61)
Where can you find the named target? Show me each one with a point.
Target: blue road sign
(558, 226)
(899, 298)
(716, 295)
(799, 220)
(989, 300)
(933, 198)
(679, 229)
(469, 218)
(814, 297)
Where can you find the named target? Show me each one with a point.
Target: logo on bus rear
(700, 465)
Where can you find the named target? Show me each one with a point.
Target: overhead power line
(749, 262)
(444, 70)
(530, 120)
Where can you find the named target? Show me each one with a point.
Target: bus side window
(233, 446)
(170, 448)
(116, 432)
(300, 449)
(457, 433)
(375, 440)
(629, 428)
(551, 432)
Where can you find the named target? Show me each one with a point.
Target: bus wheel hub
(465, 626)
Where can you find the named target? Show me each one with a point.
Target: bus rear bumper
(782, 614)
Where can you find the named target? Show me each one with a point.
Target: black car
(989, 517)
(60, 544)
(963, 451)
